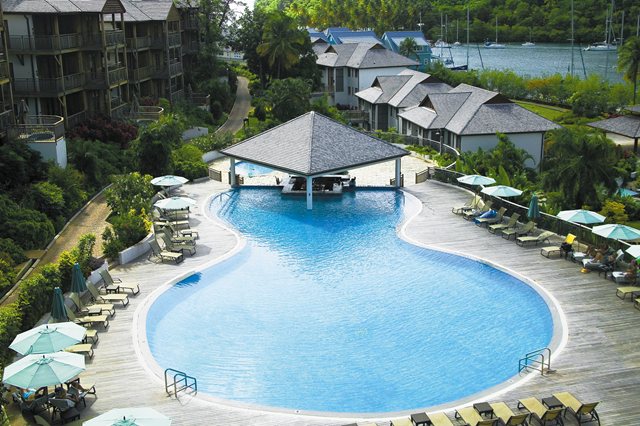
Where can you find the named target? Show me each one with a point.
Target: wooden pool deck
(599, 363)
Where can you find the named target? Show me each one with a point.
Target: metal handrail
(179, 377)
(530, 360)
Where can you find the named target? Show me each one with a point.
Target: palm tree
(409, 48)
(629, 62)
(281, 42)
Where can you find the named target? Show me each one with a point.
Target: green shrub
(126, 230)
(30, 229)
(10, 326)
(130, 192)
(35, 294)
(212, 141)
(191, 169)
(11, 252)
(7, 277)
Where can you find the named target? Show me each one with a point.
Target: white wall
(530, 142)
(56, 151)
(17, 26)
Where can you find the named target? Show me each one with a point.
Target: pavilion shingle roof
(58, 6)
(362, 56)
(408, 88)
(626, 125)
(313, 144)
(146, 10)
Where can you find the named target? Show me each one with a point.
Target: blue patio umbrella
(78, 280)
(618, 232)
(476, 180)
(47, 338)
(534, 210)
(581, 216)
(168, 180)
(501, 191)
(36, 371)
(58, 311)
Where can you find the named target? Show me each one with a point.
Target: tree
(409, 48)
(130, 192)
(281, 43)
(289, 98)
(152, 150)
(629, 62)
(577, 163)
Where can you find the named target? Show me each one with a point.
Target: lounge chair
(65, 408)
(518, 231)
(116, 284)
(544, 236)
(607, 264)
(472, 214)
(623, 277)
(564, 247)
(469, 205)
(88, 319)
(578, 408)
(636, 303)
(93, 309)
(472, 418)
(508, 417)
(183, 232)
(623, 292)
(402, 422)
(491, 220)
(440, 419)
(513, 220)
(539, 412)
(81, 348)
(178, 247)
(163, 255)
(176, 238)
(85, 389)
(179, 223)
(107, 298)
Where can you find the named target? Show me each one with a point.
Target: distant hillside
(543, 20)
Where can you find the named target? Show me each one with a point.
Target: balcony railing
(190, 47)
(4, 70)
(48, 86)
(157, 42)
(189, 23)
(200, 99)
(75, 119)
(114, 37)
(141, 73)
(117, 74)
(39, 128)
(175, 68)
(136, 43)
(49, 42)
(177, 94)
(175, 39)
(119, 108)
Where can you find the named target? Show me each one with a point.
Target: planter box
(130, 254)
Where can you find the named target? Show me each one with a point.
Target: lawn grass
(552, 113)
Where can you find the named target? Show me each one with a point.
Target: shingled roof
(62, 6)
(313, 144)
(147, 10)
(408, 88)
(626, 125)
(362, 56)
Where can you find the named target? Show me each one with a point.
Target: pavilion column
(398, 172)
(232, 172)
(635, 145)
(309, 193)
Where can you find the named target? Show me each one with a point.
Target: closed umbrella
(36, 371)
(169, 180)
(476, 180)
(618, 232)
(534, 210)
(47, 338)
(130, 417)
(581, 216)
(58, 310)
(78, 281)
(175, 203)
(501, 191)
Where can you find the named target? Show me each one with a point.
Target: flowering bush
(105, 130)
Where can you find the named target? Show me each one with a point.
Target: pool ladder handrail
(539, 359)
(179, 378)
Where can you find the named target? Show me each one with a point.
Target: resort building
(352, 67)
(189, 31)
(345, 35)
(6, 94)
(468, 118)
(389, 95)
(627, 125)
(393, 39)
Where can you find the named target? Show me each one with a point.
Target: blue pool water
(328, 310)
(251, 170)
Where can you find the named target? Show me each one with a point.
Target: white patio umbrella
(581, 216)
(175, 203)
(36, 371)
(476, 180)
(618, 232)
(47, 338)
(130, 417)
(634, 251)
(501, 191)
(169, 180)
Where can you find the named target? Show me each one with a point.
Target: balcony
(137, 43)
(117, 75)
(157, 42)
(114, 37)
(200, 99)
(175, 39)
(4, 69)
(190, 47)
(39, 128)
(119, 108)
(6, 120)
(176, 94)
(75, 119)
(139, 74)
(175, 69)
(190, 23)
(47, 43)
(48, 86)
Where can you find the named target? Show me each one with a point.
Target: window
(340, 80)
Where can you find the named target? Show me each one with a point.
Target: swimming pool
(251, 170)
(328, 310)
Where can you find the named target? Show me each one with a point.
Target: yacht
(528, 44)
(494, 44)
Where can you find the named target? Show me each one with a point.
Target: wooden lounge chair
(88, 319)
(440, 419)
(538, 411)
(544, 236)
(178, 247)
(183, 232)
(491, 220)
(189, 239)
(402, 422)
(513, 220)
(116, 284)
(81, 348)
(578, 408)
(518, 231)
(472, 418)
(92, 309)
(548, 251)
(508, 417)
(163, 255)
(472, 214)
(178, 223)
(107, 298)
(89, 388)
(469, 205)
(623, 292)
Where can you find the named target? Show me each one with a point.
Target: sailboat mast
(468, 35)
(496, 30)
(572, 37)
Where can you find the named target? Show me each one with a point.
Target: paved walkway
(240, 108)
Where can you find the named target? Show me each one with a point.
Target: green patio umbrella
(618, 232)
(36, 371)
(476, 180)
(501, 191)
(58, 311)
(77, 280)
(534, 210)
(47, 338)
(581, 216)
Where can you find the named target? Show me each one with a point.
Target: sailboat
(603, 46)
(457, 43)
(529, 43)
(494, 44)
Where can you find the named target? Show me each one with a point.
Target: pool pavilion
(311, 146)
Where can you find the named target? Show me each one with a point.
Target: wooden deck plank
(600, 361)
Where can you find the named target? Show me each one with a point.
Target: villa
(393, 39)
